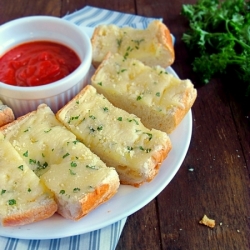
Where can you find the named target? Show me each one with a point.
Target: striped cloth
(92, 16)
(104, 238)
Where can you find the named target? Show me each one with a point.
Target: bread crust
(6, 114)
(30, 216)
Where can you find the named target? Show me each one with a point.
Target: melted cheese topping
(20, 188)
(128, 42)
(119, 138)
(142, 85)
(55, 155)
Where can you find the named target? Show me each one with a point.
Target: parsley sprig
(219, 40)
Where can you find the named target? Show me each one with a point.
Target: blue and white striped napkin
(105, 238)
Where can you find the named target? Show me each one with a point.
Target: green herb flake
(99, 128)
(71, 172)
(92, 167)
(62, 191)
(47, 131)
(139, 97)
(29, 190)
(147, 150)
(119, 119)
(76, 190)
(26, 130)
(92, 117)
(158, 94)
(12, 202)
(105, 109)
(26, 154)
(3, 191)
(149, 135)
(65, 155)
(32, 161)
(21, 167)
(73, 164)
(99, 83)
(119, 42)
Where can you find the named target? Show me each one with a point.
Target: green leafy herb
(62, 191)
(219, 40)
(129, 148)
(119, 42)
(3, 191)
(26, 154)
(75, 190)
(73, 164)
(71, 172)
(92, 167)
(12, 202)
(21, 167)
(64, 156)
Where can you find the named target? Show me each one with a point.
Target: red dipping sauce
(37, 63)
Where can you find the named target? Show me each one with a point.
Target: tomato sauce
(37, 63)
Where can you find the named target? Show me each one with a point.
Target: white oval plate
(127, 201)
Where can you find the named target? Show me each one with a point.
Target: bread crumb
(207, 222)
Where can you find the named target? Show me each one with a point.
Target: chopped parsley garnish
(92, 167)
(3, 191)
(12, 202)
(92, 117)
(21, 167)
(149, 135)
(119, 118)
(75, 190)
(71, 172)
(62, 191)
(32, 161)
(64, 156)
(99, 128)
(26, 154)
(119, 42)
(73, 164)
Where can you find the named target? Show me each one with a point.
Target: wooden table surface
(219, 152)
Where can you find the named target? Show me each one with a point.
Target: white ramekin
(45, 28)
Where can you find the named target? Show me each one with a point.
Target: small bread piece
(78, 178)
(207, 222)
(117, 137)
(24, 198)
(6, 114)
(153, 45)
(160, 99)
